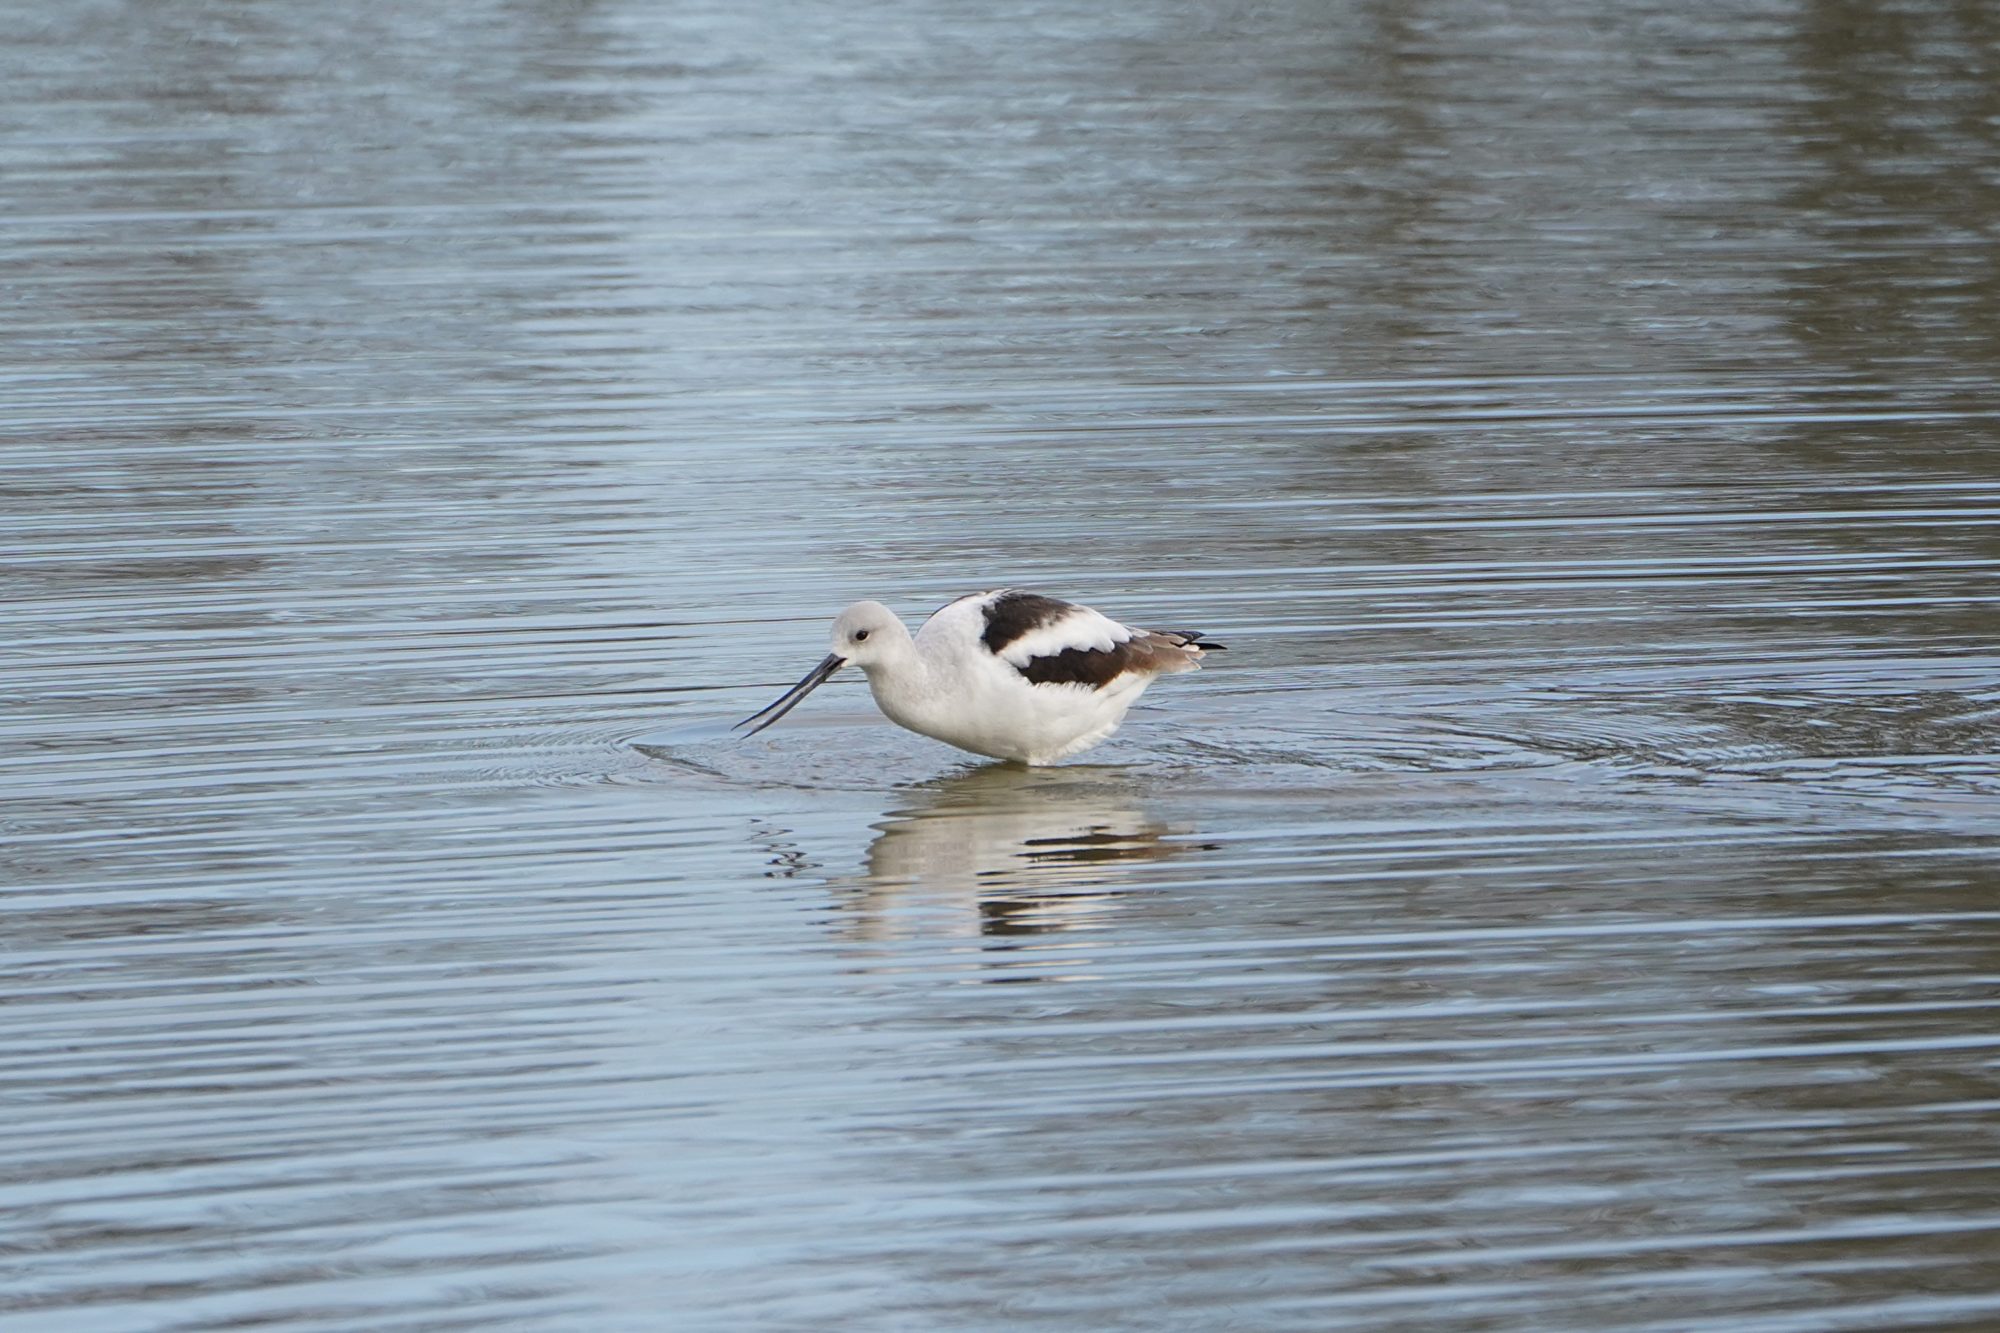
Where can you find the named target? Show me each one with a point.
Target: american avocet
(1007, 674)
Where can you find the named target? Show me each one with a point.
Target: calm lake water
(1571, 903)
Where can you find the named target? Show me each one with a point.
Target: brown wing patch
(1145, 654)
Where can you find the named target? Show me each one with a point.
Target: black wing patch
(1013, 615)
(1095, 667)
(1147, 652)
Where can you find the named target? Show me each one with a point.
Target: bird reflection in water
(1007, 851)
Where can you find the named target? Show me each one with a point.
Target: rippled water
(1569, 905)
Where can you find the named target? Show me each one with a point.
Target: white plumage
(1007, 674)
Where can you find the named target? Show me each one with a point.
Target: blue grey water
(1570, 904)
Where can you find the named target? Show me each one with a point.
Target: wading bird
(1007, 674)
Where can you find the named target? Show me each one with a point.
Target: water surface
(1568, 905)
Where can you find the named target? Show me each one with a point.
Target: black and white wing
(1053, 642)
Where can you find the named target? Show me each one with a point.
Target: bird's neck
(901, 682)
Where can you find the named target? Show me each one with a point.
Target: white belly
(1012, 719)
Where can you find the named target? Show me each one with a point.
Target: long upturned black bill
(789, 700)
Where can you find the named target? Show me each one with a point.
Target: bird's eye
(860, 634)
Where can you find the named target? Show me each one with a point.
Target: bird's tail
(1178, 649)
